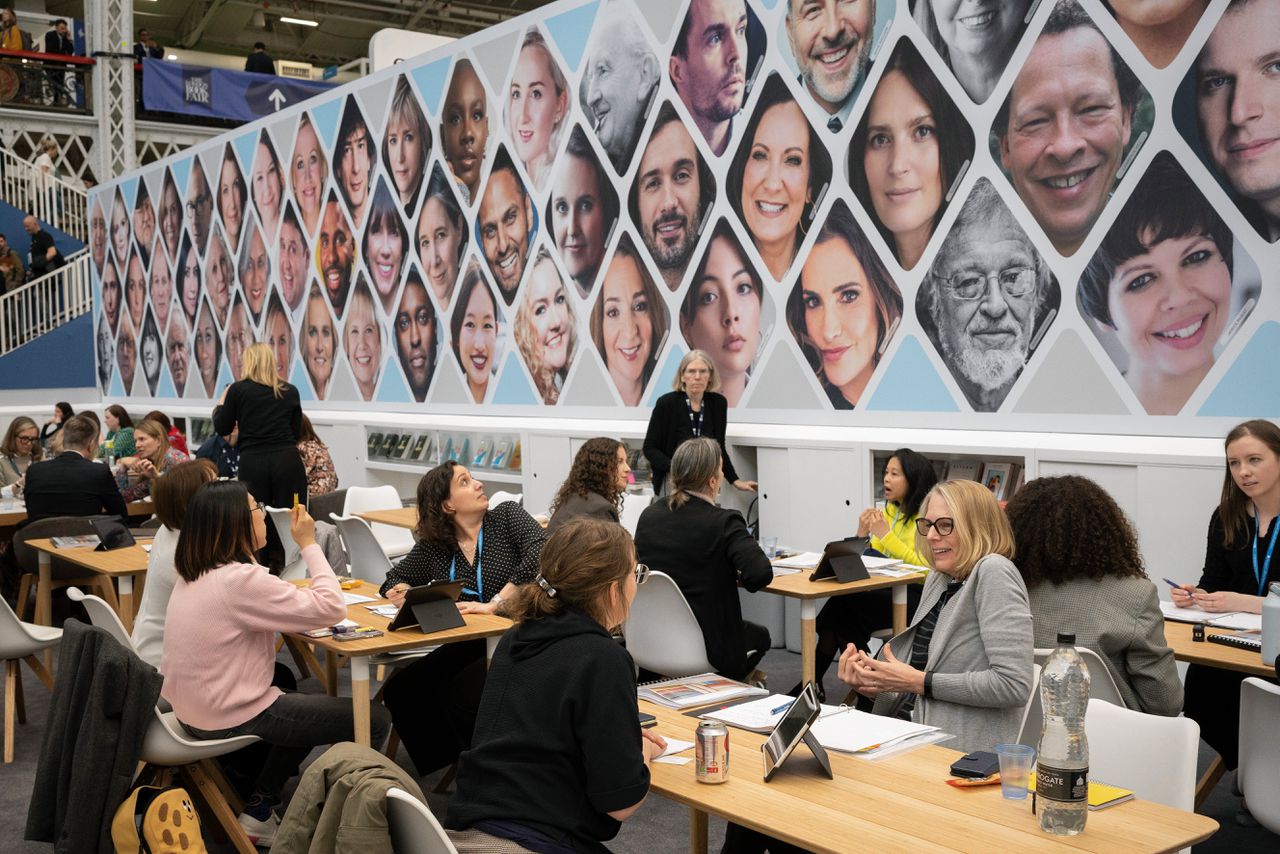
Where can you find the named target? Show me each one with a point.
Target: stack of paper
(804, 560)
(1221, 619)
(758, 715)
(701, 690)
(852, 731)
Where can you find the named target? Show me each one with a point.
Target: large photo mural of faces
(792, 187)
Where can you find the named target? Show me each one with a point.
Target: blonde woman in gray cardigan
(965, 664)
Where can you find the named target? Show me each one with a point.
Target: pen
(781, 708)
(1175, 585)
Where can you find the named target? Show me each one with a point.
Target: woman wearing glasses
(20, 448)
(490, 550)
(965, 662)
(558, 759)
(708, 551)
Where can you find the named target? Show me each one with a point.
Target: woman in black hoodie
(558, 758)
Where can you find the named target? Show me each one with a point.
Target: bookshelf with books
(490, 456)
(1001, 473)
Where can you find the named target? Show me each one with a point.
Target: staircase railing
(45, 303)
(49, 199)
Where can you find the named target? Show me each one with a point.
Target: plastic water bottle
(1271, 625)
(1062, 770)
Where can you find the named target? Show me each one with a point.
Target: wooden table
(478, 626)
(17, 514)
(1178, 636)
(400, 517)
(118, 564)
(797, 585)
(895, 804)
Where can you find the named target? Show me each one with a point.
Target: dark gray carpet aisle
(660, 827)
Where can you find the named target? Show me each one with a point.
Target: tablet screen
(791, 729)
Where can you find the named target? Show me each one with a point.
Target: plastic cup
(1015, 768)
(771, 546)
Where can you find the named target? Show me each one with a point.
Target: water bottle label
(1067, 785)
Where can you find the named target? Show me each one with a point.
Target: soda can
(712, 746)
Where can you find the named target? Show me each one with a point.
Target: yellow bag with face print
(157, 821)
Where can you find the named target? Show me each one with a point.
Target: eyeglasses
(972, 284)
(642, 573)
(257, 507)
(199, 202)
(944, 525)
(26, 439)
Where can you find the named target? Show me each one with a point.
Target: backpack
(153, 820)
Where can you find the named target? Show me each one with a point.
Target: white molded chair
(21, 641)
(395, 541)
(632, 506)
(662, 633)
(1259, 774)
(1151, 754)
(295, 567)
(167, 743)
(368, 560)
(413, 827)
(1101, 687)
(501, 497)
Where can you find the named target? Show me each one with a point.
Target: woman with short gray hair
(708, 551)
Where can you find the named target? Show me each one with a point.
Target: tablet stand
(438, 615)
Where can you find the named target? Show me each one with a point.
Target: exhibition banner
(195, 90)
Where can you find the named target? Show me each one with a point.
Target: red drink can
(712, 747)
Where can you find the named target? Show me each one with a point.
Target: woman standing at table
(708, 552)
(433, 701)
(154, 457)
(224, 601)
(559, 759)
(694, 408)
(965, 665)
(595, 486)
(1238, 568)
(844, 620)
(20, 448)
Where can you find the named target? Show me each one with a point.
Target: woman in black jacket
(693, 409)
(708, 551)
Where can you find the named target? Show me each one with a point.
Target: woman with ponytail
(558, 759)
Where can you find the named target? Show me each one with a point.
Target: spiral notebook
(701, 690)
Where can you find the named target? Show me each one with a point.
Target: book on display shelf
(402, 446)
(500, 454)
(963, 470)
(375, 444)
(996, 477)
(421, 447)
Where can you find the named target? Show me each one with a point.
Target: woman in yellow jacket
(10, 35)
(844, 620)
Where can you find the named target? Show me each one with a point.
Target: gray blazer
(981, 657)
(1120, 619)
(594, 505)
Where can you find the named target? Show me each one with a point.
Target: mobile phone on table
(647, 721)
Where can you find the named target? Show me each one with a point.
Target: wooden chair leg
(201, 786)
(24, 594)
(214, 770)
(393, 745)
(1212, 775)
(17, 694)
(42, 673)
(447, 780)
(10, 671)
(305, 658)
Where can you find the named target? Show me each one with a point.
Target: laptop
(112, 534)
(842, 561)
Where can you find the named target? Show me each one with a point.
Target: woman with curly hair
(596, 483)
(1078, 555)
(434, 700)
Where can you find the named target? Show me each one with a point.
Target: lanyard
(479, 572)
(1261, 577)
(897, 511)
(696, 426)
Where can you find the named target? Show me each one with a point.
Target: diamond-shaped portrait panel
(232, 196)
(318, 341)
(386, 245)
(477, 331)
(127, 356)
(277, 332)
(441, 236)
(239, 336)
(988, 299)
(121, 232)
(506, 225)
(1075, 118)
(1158, 30)
(266, 184)
(619, 82)
(406, 144)
(908, 153)
(207, 346)
(170, 216)
(97, 232)
(545, 327)
(199, 204)
(335, 253)
(220, 271)
(537, 108)
(415, 326)
(112, 294)
(135, 288)
(830, 47)
(293, 259)
(160, 289)
(1227, 111)
(189, 279)
(844, 308)
(778, 176)
(582, 211)
(253, 271)
(364, 339)
(464, 127)
(106, 346)
(177, 353)
(354, 153)
(150, 351)
(1167, 288)
(144, 223)
(629, 322)
(308, 171)
(725, 311)
(975, 41)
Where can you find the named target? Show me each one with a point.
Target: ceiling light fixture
(302, 22)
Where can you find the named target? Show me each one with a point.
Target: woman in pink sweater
(219, 642)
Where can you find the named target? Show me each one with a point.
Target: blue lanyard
(480, 573)
(695, 426)
(1261, 577)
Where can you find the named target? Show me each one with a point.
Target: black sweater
(266, 421)
(707, 550)
(669, 426)
(1232, 569)
(557, 739)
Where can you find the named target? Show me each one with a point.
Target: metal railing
(30, 80)
(51, 200)
(46, 303)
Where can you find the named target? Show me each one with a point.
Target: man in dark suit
(72, 484)
(260, 62)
